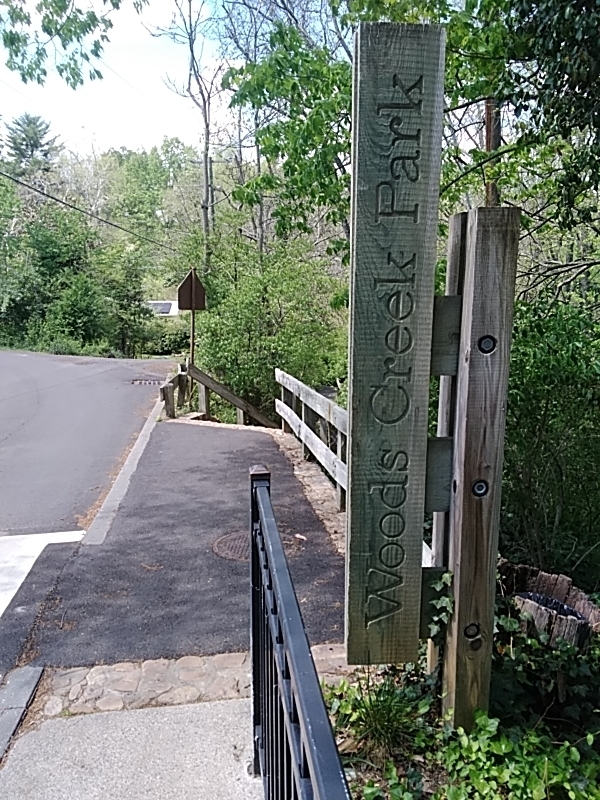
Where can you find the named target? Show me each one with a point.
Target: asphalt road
(156, 587)
(66, 423)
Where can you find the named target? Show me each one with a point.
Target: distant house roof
(164, 308)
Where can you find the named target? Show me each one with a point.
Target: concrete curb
(15, 696)
(103, 520)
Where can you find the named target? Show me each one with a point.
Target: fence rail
(320, 424)
(206, 385)
(322, 427)
(294, 747)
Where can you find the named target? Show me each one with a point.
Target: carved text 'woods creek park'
(397, 141)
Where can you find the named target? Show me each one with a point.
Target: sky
(131, 107)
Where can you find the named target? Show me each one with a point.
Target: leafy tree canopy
(73, 35)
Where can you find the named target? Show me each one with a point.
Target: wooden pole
(455, 273)
(488, 299)
(493, 140)
(397, 129)
(193, 319)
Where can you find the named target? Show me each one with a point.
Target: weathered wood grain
(206, 380)
(438, 482)
(397, 122)
(447, 311)
(455, 274)
(204, 401)
(340, 490)
(287, 399)
(330, 411)
(167, 394)
(327, 459)
(182, 381)
(488, 298)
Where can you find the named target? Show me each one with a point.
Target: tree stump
(557, 608)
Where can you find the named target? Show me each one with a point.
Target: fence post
(287, 397)
(240, 416)
(340, 492)
(167, 393)
(309, 418)
(259, 476)
(482, 381)
(204, 400)
(181, 388)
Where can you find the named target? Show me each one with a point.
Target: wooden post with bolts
(482, 382)
(455, 275)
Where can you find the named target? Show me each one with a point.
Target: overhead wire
(86, 213)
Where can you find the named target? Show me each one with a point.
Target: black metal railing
(294, 747)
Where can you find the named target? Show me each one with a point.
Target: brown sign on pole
(190, 294)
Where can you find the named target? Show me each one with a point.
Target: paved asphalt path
(155, 587)
(66, 424)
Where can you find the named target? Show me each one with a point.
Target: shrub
(274, 312)
(551, 491)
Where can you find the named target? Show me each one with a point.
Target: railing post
(204, 400)
(240, 415)
(309, 418)
(287, 397)
(340, 491)
(259, 477)
(181, 387)
(167, 393)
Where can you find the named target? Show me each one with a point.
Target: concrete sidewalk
(188, 752)
(143, 638)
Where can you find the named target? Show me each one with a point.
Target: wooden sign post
(397, 122)
(492, 240)
(191, 297)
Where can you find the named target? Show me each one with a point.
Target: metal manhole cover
(147, 382)
(234, 546)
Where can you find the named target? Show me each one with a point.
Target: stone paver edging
(161, 682)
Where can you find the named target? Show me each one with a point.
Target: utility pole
(493, 130)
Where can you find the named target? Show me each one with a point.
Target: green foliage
(533, 682)
(118, 269)
(30, 149)
(395, 787)
(79, 313)
(443, 604)
(551, 492)
(61, 27)
(165, 337)
(540, 740)
(385, 711)
(515, 763)
(267, 313)
(552, 79)
(310, 135)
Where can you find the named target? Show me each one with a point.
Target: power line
(86, 213)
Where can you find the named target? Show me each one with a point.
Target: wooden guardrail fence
(322, 427)
(320, 424)
(206, 385)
